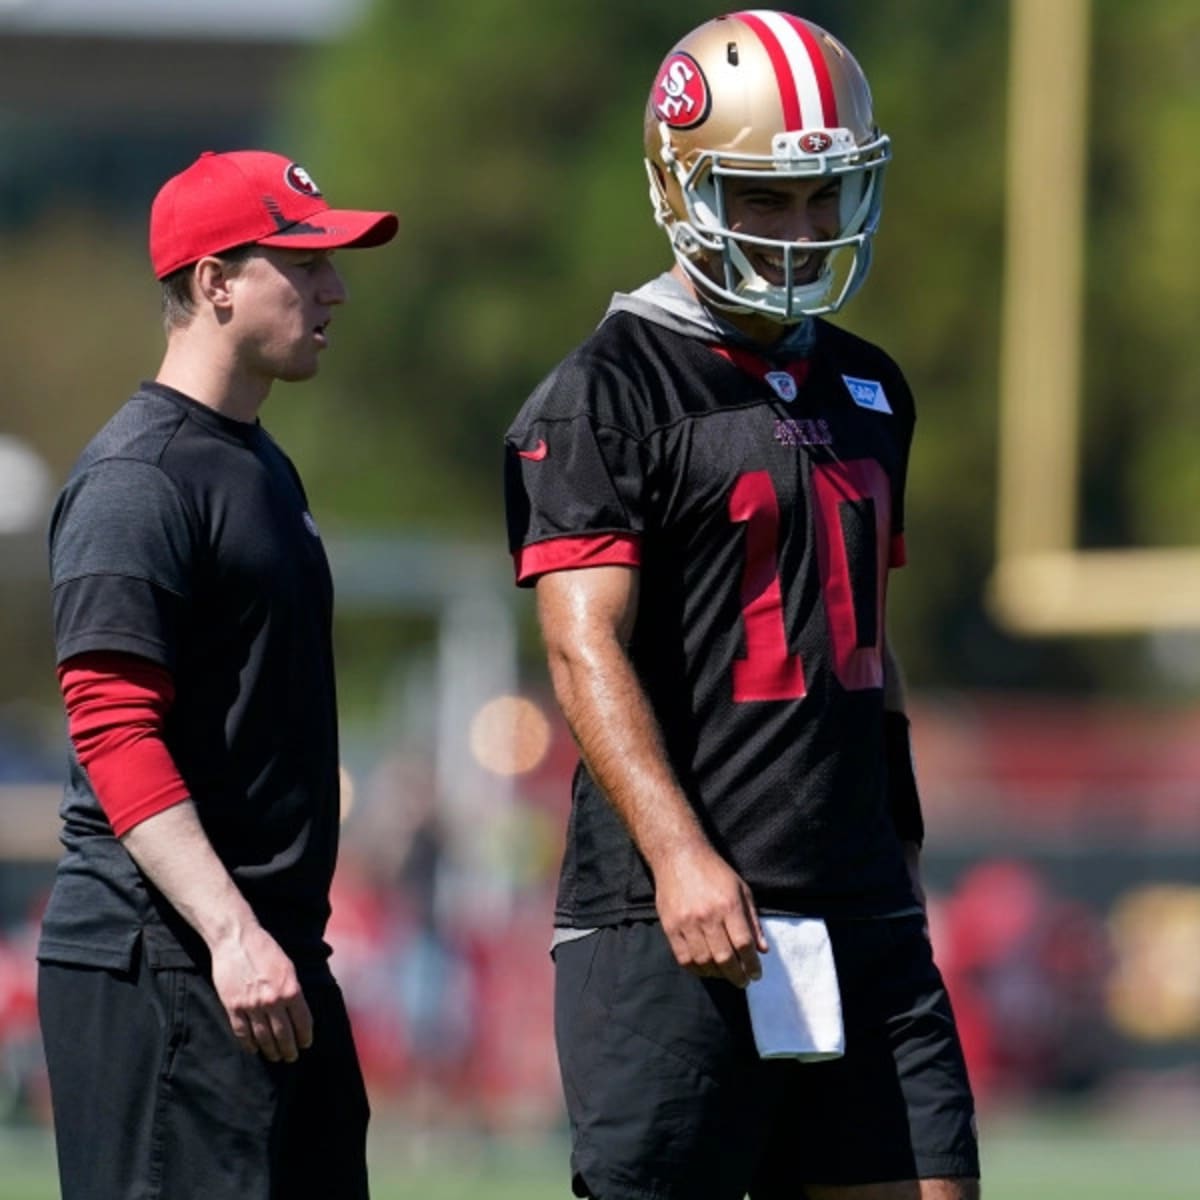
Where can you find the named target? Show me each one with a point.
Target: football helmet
(752, 92)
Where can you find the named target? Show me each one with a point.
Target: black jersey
(762, 503)
(184, 537)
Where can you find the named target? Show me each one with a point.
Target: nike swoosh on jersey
(537, 453)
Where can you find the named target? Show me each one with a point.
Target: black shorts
(154, 1098)
(668, 1099)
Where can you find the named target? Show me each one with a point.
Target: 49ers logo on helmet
(681, 96)
(816, 142)
(299, 180)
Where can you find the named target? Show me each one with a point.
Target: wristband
(903, 801)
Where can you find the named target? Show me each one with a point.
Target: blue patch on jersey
(867, 393)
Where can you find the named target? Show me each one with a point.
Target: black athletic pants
(154, 1099)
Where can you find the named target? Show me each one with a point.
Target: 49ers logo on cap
(816, 143)
(681, 96)
(299, 180)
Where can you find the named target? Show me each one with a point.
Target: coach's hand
(257, 984)
(709, 917)
(254, 979)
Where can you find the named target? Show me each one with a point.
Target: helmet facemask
(712, 254)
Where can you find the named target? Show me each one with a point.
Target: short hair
(178, 301)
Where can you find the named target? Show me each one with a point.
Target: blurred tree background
(507, 135)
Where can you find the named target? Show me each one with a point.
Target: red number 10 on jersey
(853, 579)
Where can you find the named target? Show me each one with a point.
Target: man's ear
(211, 280)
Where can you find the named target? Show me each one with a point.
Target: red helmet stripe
(789, 98)
(800, 68)
(820, 69)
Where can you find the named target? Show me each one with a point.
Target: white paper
(796, 1007)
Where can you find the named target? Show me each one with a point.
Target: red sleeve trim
(898, 554)
(116, 706)
(570, 553)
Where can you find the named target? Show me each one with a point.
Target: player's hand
(709, 917)
(256, 982)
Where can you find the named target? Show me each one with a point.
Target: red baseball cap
(243, 196)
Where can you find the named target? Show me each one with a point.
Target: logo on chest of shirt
(310, 524)
(783, 384)
(867, 393)
(803, 432)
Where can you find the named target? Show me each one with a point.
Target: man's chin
(298, 372)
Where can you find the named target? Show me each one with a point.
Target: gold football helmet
(763, 91)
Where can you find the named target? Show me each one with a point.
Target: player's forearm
(174, 853)
(619, 739)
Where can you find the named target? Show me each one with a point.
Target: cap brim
(336, 228)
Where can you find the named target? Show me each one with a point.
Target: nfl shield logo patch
(783, 385)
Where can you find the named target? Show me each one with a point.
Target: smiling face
(794, 211)
(282, 305)
(789, 214)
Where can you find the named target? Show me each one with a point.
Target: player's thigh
(897, 1107)
(659, 1071)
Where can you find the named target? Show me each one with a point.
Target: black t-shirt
(184, 537)
(764, 527)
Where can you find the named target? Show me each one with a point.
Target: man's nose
(802, 226)
(333, 288)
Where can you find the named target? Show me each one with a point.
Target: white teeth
(776, 262)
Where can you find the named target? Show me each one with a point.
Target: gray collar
(666, 302)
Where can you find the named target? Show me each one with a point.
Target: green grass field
(1047, 1157)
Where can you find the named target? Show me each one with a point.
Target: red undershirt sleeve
(116, 706)
(570, 552)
